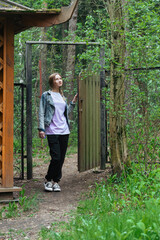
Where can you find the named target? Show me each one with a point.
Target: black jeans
(58, 147)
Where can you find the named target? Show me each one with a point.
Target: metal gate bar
(22, 86)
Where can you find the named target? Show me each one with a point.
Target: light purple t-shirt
(59, 123)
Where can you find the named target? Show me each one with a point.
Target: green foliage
(15, 209)
(39, 4)
(142, 37)
(128, 209)
(142, 117)
(28, 204)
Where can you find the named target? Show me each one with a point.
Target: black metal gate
(19, 113)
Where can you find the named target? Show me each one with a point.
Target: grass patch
(119, 209)
(15, 209)
(71, 150)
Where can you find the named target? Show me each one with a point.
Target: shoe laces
(49, 184)
(56, 185)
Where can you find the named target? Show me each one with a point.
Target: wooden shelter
(15, 18)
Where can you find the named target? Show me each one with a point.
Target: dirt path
(52, 206)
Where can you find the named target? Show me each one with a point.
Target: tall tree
(71, 52)
(118, 143)
(43, 54)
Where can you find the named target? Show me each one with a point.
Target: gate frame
(103, 111)
(22, 88)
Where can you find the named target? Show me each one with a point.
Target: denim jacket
(47, 110)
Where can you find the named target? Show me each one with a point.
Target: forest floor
(52, 207)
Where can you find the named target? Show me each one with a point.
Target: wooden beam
(30, 19)
(1, 91)
(12, 189)
(6, 194)
(66, 13)
(8, 87)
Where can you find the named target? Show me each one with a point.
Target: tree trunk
(71, 52)
(43, 55)
(52, 54)
(118, 143)
(43, 59)
(64, 48)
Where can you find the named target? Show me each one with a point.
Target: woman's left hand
(75, 98)
(41, 134)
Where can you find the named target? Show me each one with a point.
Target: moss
(51, 10)
(31, 11)
(3, 5)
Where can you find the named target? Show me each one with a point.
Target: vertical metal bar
(22, 131)
(103, 110)
(29, 108)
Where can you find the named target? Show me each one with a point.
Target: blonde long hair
(51, 80)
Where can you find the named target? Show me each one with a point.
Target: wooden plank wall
(89, 123)
(1, 91)
(6, 102)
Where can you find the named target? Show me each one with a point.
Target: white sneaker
(48, 186)
(56, 187)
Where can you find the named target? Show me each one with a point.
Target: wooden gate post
(7, 105)
(103, 110)
(6, 109)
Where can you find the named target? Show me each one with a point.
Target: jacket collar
(50, 100)
(49, 92)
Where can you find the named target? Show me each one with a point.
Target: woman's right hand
(75, 98)
(42, 134)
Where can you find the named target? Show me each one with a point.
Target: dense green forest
(94, 22)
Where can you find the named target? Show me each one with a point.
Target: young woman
(53, 123)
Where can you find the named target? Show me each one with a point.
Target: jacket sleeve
(41, 126)
(71, 106)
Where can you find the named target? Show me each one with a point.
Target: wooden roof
(25, 17)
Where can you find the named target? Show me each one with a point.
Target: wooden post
(103, 110)
(6, 110)
(7, 103)
(29, 108)
(1, 91)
